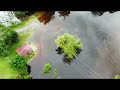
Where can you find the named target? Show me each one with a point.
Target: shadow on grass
(65, 59)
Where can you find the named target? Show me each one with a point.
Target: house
(24, 50)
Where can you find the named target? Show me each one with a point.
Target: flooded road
(100, 36)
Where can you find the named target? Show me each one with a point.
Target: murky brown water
(100, 55)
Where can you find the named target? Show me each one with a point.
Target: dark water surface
(100, 36)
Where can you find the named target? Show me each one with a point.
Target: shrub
(7, 38)
(69, 44)
(19, 64)
(31, 54)
(117, 77)
(47, 68)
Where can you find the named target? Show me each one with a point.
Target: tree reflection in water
(47, 16)
(99, 13)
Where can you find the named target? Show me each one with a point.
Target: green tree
(47, 68)
(7, 38)
(19, 64)
(69, 44)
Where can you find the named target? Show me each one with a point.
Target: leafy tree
(69, 44)
(47, 68)
(19, 64)
(7, 38)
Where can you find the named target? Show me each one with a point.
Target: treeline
(7, 38)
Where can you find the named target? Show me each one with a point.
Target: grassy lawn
(5, 71)
(23, 23)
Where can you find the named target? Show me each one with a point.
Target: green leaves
(117, 77)
(19, 63)
(7, 38)
(69, 44)
(46, 68)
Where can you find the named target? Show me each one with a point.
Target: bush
(19, 64)
(69, 44)
(31, 54)
(47, 68)
(7, 38)
(117, 77)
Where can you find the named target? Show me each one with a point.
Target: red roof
(23, 50)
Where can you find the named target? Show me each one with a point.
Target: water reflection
(100, 36)
(46, 16)
(64, 58)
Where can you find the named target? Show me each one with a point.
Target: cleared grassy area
(5, 71)
(23, 23)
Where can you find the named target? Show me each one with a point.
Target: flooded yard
(99, 57)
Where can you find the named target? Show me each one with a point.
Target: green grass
(23, 23)
(22, 38)
(5, 71)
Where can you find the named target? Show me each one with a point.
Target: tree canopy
(19, 64)
(69, 44)
(7, 38)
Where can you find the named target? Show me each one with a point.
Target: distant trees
(68, 44)
(7, 38)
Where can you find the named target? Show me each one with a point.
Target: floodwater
(100, 36)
